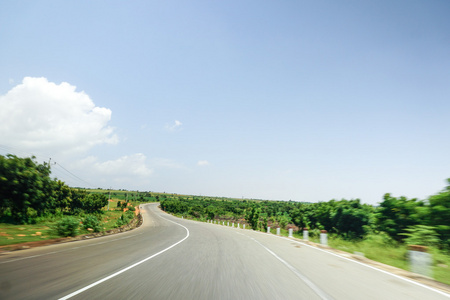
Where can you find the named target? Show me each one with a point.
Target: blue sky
(293, 100)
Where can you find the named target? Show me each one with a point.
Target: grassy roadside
(379, 248)
(374, 247)
(15, 234)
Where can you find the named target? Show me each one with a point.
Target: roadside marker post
(420, 260)
(305, 234)
(324, 237)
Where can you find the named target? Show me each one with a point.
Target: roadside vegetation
(35, 207)
(399, 220)
(381, 233)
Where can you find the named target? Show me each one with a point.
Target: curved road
(171, 258)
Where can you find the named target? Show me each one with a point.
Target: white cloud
(38, 115)
(134, 164)
(203, 163)
(177, 124)
(125, 172)
(166, 163)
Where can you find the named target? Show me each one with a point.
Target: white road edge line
(308, 282)
(129, 267)
(360, 263)
(371, 267)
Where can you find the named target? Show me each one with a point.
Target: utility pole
(109, 198)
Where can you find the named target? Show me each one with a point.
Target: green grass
(441, 266)
(14, 234)
(379, 248)
(374, 248)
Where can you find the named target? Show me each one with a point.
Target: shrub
(421, 235)
(121, 205)
(67, 226)
(94, 203)
(91, 221)
(124, 219)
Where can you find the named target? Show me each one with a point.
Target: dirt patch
(136, 222)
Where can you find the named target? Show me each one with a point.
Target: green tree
(300, 215)
(93, 203)
(62, 196)
(77, 198)
(283, 219)
(25, 186)
(253, 217)
(211, 211)
(396, 214)
(351, 219)
(440, 213)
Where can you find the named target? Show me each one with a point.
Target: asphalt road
(171, 258)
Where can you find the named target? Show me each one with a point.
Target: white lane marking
(129, 267)
(70, 249)
(372, 267)
(360, 263)
(305, 279)
(349, 259)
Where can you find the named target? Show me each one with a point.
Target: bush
(124, 219)
(121, 205)
(91, 221)
(421, 235)
(94, 203)
(67, 226)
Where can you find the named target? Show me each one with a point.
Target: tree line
(398, 217)
(27, 192)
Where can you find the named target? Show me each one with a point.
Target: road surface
(171, 258)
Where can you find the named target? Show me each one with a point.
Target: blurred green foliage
(398, 217)
(27, 193)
